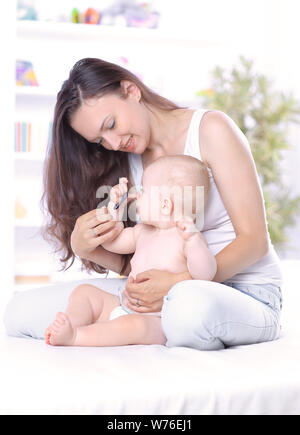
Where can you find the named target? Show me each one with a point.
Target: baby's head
(173, 187)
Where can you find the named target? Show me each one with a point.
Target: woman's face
(117, 124)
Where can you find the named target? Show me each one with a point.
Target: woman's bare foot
(60, 332)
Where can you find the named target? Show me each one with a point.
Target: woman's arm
(226, 151)
(107, 260)
(108, 255)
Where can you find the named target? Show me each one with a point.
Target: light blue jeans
(210, 316)
(199, 314)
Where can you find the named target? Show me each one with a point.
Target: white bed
(257, 379)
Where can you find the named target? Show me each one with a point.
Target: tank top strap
(192, 147)
(136, 168)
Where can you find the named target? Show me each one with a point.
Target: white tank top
(218, 229)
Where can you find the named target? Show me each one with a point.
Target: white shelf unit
(53, 48)
(67, 31)
(30, 156)
(35, 91)
(7, 36)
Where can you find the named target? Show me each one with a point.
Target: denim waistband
(269, 294)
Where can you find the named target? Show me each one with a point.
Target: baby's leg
(87, 305)
(125, 330)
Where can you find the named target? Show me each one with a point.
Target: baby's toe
(47, 335)
(61, 318)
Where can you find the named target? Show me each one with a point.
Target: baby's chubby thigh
(110, 302)
(99, 301)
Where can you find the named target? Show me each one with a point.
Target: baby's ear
(166, 206)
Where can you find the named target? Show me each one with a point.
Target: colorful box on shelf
(25, 75)
(32, 137)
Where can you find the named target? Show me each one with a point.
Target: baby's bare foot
(60, 332)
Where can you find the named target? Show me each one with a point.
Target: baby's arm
(201, 262)
(125, 242)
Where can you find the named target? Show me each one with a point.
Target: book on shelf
(32, 136)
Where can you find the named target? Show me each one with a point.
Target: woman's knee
(188, 315)
(14, 316)
(30, 312)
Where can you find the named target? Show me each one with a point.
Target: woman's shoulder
(215, 119)
(217, 130)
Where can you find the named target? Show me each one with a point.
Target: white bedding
(257, 379)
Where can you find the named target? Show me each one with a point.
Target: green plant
(264, 115)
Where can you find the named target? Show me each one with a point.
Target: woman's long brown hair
(74, 168)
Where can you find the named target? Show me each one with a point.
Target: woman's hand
(91, 230)
(146, 293)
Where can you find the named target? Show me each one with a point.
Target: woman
(108, 125)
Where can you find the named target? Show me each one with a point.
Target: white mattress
(257, 379)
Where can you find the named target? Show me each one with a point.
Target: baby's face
(151, 200)
(168, 194)
(148, 198)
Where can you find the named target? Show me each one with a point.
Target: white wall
(264, 30)
(289, 79)
(267, 31)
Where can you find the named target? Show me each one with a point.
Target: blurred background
(239, 56)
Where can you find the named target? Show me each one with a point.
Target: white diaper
(122, 310)
(117, 312)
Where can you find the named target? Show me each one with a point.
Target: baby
(173, 195)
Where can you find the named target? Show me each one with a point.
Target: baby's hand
(187, 228)
(115, 196)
